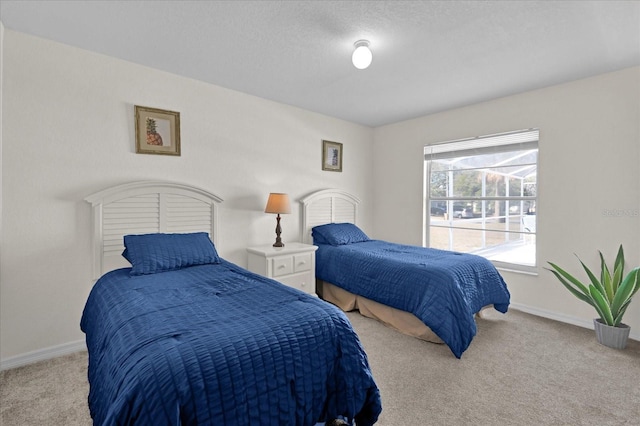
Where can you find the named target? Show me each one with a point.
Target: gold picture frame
(157, 131)
(331, 156)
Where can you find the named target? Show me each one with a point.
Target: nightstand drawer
(305, 282)
(302, 262)
(293, 265)
(282, 265)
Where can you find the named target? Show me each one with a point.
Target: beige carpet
(52, 392)
(519, 370)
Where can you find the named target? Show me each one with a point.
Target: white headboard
(327, 206)
(146, 207)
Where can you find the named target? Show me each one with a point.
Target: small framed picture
(157, 131)
(332, 156)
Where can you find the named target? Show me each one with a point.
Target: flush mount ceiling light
(362, 56)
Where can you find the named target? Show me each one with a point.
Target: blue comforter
(218, 345)
(442, 288)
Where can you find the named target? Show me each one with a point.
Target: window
(481, 196)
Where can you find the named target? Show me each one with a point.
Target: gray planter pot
(613, 337)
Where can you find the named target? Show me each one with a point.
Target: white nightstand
(293, 265)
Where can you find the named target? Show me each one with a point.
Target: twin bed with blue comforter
(184, 337)
(443, 289)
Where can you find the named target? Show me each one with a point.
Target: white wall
(589, 153)
(67, 131)
(1, 131)
(68, 121)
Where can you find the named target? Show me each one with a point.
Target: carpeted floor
(519, 370)
(51, 393)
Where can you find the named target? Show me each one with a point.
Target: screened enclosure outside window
(481, 196)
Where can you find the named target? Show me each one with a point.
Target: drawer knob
(281, 266)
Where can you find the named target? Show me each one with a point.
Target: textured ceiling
(428, 56)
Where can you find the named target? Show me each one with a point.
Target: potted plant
(610, 295)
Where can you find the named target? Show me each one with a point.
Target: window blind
(503, 142)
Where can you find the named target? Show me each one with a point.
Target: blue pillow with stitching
(153, 253)
(337, 234)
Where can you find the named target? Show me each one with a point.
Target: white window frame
(517, 140)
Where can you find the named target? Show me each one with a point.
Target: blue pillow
(337, 234)
(152, 253)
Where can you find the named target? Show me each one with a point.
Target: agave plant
(611, 294)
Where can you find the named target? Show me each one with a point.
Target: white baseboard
(42, 354)
(68, 348)
(580, 322)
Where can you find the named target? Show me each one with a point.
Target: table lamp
(278, 203)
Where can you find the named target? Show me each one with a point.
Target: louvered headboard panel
(144, 208)
(327, 206)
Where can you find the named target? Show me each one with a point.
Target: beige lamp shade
(278, 203)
